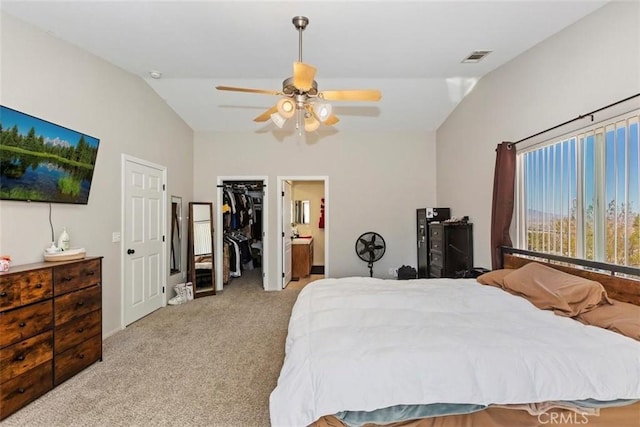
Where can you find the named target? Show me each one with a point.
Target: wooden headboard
(626, 289)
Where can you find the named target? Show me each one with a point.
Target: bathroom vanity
(301, 257)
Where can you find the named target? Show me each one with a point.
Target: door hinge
(283, 194)
(163, 238)
(164, 187)
(163, 289)
(283, 234)
(283, 275)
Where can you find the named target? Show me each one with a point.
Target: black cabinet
(450, 249)
(423, 217)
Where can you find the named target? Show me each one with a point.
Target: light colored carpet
(210, 362)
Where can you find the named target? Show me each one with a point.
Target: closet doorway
(303, 224)
(241, 213)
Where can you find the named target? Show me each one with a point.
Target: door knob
(131, 251)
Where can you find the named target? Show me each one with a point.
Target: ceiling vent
(476, 56)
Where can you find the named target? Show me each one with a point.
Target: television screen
(44, 162)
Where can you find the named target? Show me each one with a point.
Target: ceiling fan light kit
(286, 108)
(278, 120)
(300, 94)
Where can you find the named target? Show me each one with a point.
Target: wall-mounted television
(44, 162)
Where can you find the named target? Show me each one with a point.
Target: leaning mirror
(176, 235)
(201, 272)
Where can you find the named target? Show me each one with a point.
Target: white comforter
(363, 344)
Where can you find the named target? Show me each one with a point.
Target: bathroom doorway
(304, 223)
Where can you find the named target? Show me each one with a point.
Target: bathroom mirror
(175, 266)
(200, 251)
(300, 211)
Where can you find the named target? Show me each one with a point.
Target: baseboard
(317, 269)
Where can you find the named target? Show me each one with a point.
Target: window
(579, 195)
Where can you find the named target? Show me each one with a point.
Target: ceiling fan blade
(331, 120)
(303, 75)
(351, 95)
(266, 115)
(248, 90)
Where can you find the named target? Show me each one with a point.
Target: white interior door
(286, 233)
(144, 223)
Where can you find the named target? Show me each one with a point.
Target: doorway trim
(218, 232)
(124, 159)
(327, 216)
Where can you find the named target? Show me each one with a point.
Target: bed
(452, 353)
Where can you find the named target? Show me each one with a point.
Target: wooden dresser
(50, 327)
(450, 248)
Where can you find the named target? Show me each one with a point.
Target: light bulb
(323, 111)
(286, 108)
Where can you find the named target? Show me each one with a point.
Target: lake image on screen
(41, 161)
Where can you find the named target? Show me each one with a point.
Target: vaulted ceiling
(410, 50)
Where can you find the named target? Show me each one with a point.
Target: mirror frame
(209, 290)
(175, 253)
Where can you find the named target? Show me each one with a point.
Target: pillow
(495, 277)
(548, 288)
(620, 317)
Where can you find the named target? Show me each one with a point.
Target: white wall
(590, 64)
(376, 182)
(53, 80)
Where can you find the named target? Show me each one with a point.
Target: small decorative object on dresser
(50, 327)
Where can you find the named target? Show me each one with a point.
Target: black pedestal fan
(370, 247)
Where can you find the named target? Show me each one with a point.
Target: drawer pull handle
(20, 357)
(21, 390)
(91, 273)
(39, 285)
(80, 330)
(81, 356)
(22, 324)
(3, 294)
(67, 278)
(81, 302)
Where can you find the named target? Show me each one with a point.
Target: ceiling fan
(300, 94)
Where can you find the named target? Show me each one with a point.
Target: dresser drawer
(436, 245)
(76, 304)
(19, 358)
(76, 276)
(436, 258)
(77, 358)
(19, 391)
(24, 288)
(435, 232)
(9, 294)
(25, 322)
(79, 330)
